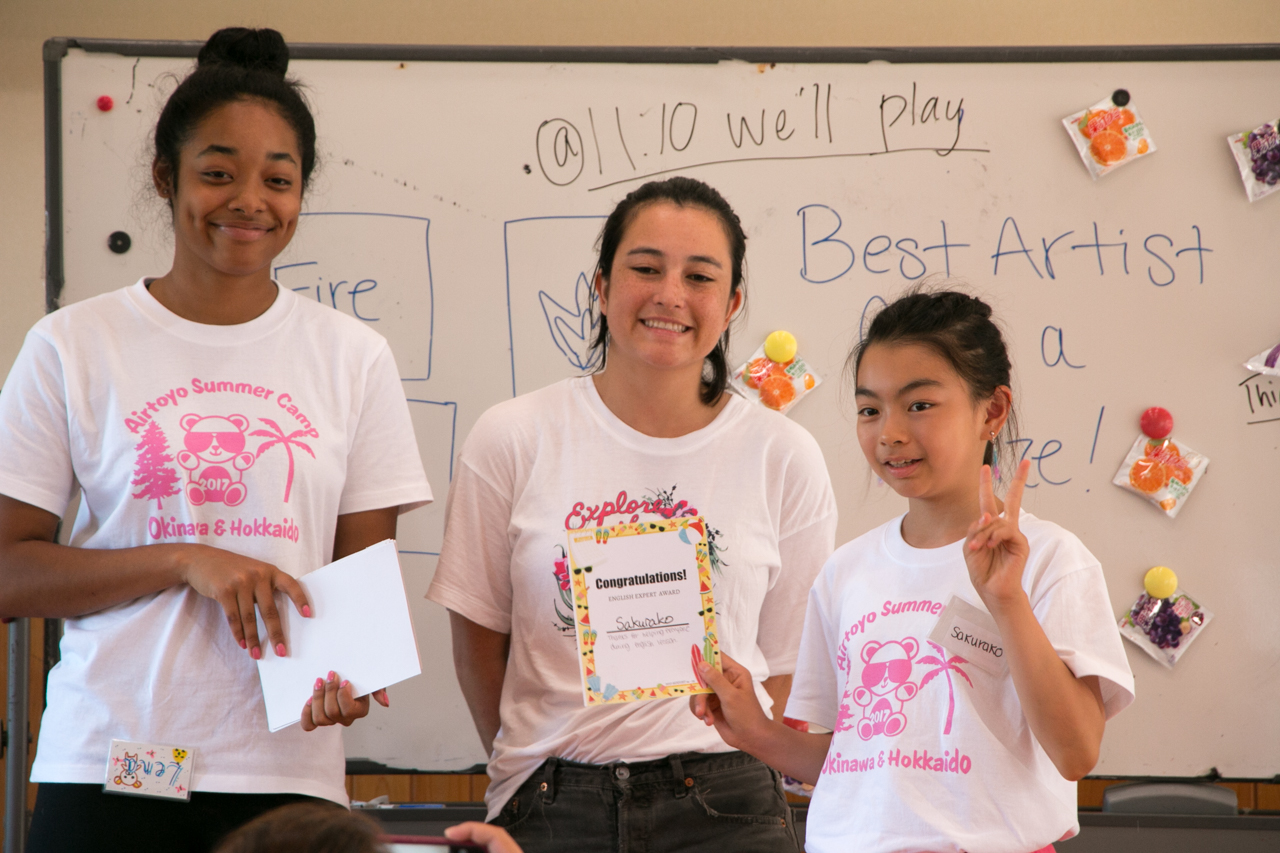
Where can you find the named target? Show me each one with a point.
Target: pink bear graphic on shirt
(212, 443)
(885, 687)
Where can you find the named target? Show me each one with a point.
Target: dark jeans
(81, 818)
(716, 803)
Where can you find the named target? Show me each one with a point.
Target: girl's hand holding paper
(734, 709)
(334, 702)
(361, 627)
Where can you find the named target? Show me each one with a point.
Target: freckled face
(919, 428)
(667, 295)
(239, 190)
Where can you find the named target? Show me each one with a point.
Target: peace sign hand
(995, 549)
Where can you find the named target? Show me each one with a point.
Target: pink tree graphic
(157, 479)
(288, 442)
(944, 665)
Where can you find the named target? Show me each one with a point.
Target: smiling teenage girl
(963, 657)
(651, 435)
(203, 492)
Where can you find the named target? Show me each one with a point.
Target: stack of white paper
(359, 628)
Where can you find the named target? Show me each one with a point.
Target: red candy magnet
(1157, 423)
(105, 103)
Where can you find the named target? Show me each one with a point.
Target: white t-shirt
(558, 459)
(931, 753)
(253, 438)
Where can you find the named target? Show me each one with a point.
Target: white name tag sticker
(972, 634)
(149, 770)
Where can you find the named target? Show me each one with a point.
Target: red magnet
(105, 103)
(1157, 423)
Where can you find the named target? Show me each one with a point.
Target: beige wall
(25, 24)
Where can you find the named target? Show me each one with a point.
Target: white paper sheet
(359, 628)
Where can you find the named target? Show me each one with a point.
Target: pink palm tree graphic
(944, 665)
(288, 442)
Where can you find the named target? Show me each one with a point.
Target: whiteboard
(458, 201)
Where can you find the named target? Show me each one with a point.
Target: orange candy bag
(1109, 134)
(1161, 471)
(778, 382)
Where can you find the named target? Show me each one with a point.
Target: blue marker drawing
(453, 435)
(349, 292)
(574, 330)
(570, 329)
(1096, 430)
(862, 323)
(452, 406)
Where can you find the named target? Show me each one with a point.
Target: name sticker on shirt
(149, 770)
(965, 630)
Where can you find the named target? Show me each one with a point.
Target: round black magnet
(1120, 97)
(119, 242)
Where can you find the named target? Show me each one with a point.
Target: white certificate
(643, 609)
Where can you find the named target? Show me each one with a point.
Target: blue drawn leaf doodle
(573, 329)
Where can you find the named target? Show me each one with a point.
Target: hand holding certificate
(643, 609)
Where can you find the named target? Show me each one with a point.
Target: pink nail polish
(344, 683)
(256, 653)
(243, 645)
(332, 675)
(306, 610)
(319, 685)
(279, 649)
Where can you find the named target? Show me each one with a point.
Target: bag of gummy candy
(1162, 472)
(1267, 361)
(1164, 620)
(1157, 468)
(775, 376)
(1109, 134)
(1257, 153)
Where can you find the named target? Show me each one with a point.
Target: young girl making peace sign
(963, 656)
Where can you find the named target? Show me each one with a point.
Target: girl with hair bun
(652, 434)
(961, 660)
(226, 437)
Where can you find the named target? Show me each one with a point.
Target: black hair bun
(262, 50)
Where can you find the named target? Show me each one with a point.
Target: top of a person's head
(684, 192)
(956, 326)
(681, 191)
(307, 827)
(235, 64)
